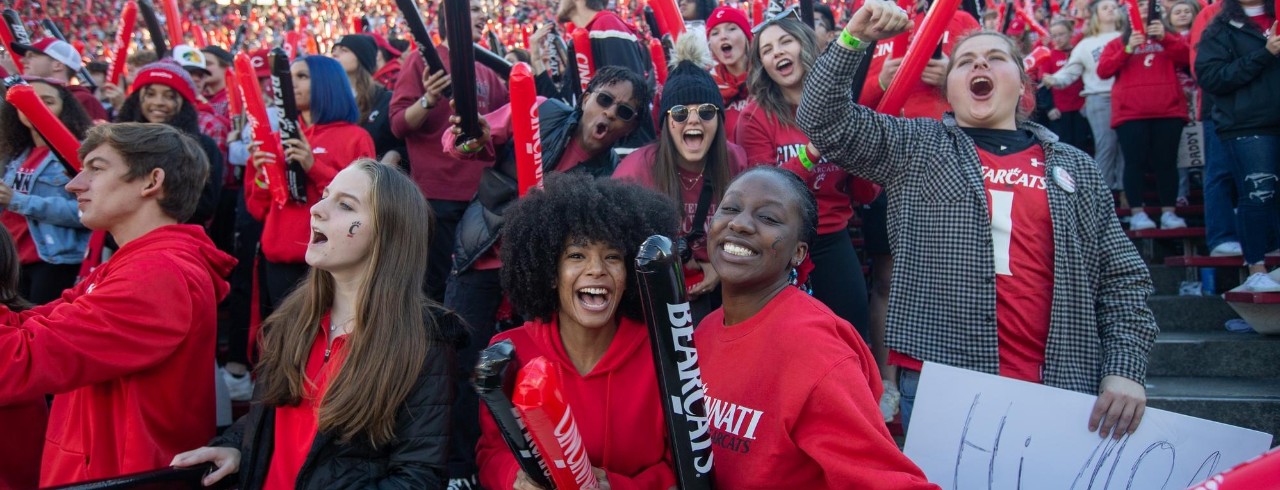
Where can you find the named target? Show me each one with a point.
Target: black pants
(440, 250)
(275, 281)
(838, 282)
(1150, 145)
(248, 232)
(42, 282)
(475, 295)
(1073, 129)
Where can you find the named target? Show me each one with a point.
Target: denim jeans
(908, 382)
(1254, 163)
(1219, 203)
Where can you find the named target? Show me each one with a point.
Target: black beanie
(364, 47)
(687, 84)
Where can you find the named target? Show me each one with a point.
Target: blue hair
(331, 97)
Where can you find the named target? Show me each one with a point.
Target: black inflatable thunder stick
(666, 311)
(148, 13)
(287, 107)
(422, 37)
(487, 379)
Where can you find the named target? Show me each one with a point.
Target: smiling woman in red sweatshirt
(567, 268)
(1148, 111)
(331, 141)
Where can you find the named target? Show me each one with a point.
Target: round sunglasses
(680, 113)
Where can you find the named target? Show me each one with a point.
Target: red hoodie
(128, 353)
(1146, 84)
(617, 407)
(792, 398)
(287, 229)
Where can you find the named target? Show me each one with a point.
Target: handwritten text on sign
(971, 430)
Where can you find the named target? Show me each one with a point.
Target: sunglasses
(792, 11)
(624, 112)
(681, 113)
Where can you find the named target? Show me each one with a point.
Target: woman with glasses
(692, 163)
(782, 52)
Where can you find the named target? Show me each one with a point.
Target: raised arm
(854, 137)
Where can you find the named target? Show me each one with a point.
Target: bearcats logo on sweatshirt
(733, 426)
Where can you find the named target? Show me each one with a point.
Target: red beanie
(729, 14)
(168, 73)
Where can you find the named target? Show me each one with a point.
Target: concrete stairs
(1200, 369)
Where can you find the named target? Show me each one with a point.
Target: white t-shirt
(1084, 61)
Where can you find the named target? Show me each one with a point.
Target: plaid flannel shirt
(942, 302)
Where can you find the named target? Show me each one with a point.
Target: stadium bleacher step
(1215, 354)
(1190, 313)
(1246, 402)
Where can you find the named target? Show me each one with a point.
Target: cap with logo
(190, 58)
(61, 51)
(259, 59)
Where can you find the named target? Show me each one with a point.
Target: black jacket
(1235, 68)
(378, 125)
(212, 191)
(416, 459)
(481, 223)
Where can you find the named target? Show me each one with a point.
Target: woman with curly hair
(39, 213)
(354, 388)
(164, 93)
(569, 251)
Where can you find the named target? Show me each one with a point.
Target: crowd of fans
(370, 257)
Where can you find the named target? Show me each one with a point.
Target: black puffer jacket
(481, 223)
(416, 459)
(1243, 78)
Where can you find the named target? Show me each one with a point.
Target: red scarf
(732, 87)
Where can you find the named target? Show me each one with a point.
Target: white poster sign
(971, 430)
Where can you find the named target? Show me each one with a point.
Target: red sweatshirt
(92, 106)
(128, 353)
(1146, 85)
(811, 419)
(925, 100)
(617, 407)
(770, 142)
(439, 175)
(1066, 99)
(287, 229)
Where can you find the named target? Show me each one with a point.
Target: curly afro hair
(576, 206)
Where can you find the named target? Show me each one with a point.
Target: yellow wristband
(804, 158)
(848, 41)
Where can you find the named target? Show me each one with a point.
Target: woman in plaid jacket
(1008, 255)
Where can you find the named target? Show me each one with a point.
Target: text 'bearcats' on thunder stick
(418, 29)
(287, 109)
(12, 31)
(63, 144)
(488, 379)
(550, 421)
(666, 311)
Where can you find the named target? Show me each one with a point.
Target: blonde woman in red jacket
(1148, 111)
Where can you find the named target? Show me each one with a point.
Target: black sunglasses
(792, 11)
(680, 113)
(624, 112)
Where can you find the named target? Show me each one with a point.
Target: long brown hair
(366, 92)
(9, 268)
(666, 174)
(392, 331)
(763, 89)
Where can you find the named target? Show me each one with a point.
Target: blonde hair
(1093, 26)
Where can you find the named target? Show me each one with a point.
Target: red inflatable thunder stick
(1036, 57)
(491, 370)
(526, 128)
(1135, 16)
(583, 56)
(659, 60)
(7, 38)
(234, 103)
(1026, 17)
(918, 54)
(549, 419)
(669, 18)
(60, 140)
(267, 141)
(124, 36)
(16, 32)
(173, 21)
(666, 312)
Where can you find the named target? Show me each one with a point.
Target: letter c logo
(1147, 61)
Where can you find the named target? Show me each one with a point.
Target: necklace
(688, 182)
(335, 327)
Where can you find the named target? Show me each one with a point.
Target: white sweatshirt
(1084, 60)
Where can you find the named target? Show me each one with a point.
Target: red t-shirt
(1066, 99)
(810, 420)
(17, 223)
(1022, 241)
(296, 427)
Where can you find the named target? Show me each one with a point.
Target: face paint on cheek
(774, 245)
(351, 232)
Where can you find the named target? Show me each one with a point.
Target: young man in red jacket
(128, 352)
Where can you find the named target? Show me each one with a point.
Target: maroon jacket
(92, 106)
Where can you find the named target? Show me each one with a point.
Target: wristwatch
(423, 102)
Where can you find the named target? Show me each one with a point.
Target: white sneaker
(239, 387)
(889, 401)
(1170, 221)
(1141, 221)
(1261, 283)
(1227, 249)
